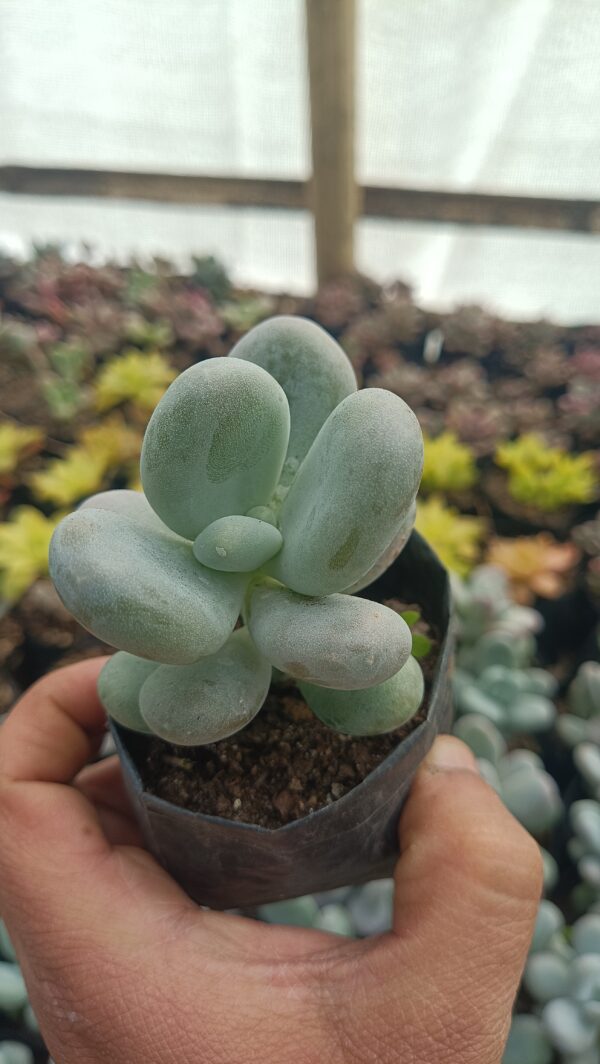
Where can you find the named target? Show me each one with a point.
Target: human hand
(123, 968)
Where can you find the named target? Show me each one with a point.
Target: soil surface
(283, 765)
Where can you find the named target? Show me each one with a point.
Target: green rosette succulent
(271, 489)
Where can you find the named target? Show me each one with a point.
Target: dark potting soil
(285, 764)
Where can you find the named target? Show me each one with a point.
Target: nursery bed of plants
(509, 501)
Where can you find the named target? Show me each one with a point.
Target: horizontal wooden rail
(458, 208)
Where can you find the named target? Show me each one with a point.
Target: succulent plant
(534, 565)
(468, 330)
(271, 488)
(210, 274)
(563, 979)
(16, 442)
(449, 465)
(455, 538)
(584, 846)
(24, 541)
(482, 604)
(582, 723)
(519, 777)
(547, 477)
(12, 1052)
(517, 700)
(480, 424)
(136, 377)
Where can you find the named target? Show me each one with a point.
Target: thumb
(468, 885)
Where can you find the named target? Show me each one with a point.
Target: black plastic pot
(225, 864)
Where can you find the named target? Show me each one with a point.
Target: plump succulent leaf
(390, 553)
(527, 1042)
(119, 686)
(310, 366)
(373, 711)
(567, 1027)
(547, 976)
(142, 591)
(201, 703)
(338, 641)
(237, 544)
(350, 495)
(215, 445)
(481, 736)
(131, 504)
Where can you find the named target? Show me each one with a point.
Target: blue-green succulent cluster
(494, 676)
(579, 728)
(14, 1002)
(273, 489)
(518, 776)
(562, 977)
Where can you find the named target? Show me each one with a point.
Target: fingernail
(448, 753)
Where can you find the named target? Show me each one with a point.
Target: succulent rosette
(271, 488)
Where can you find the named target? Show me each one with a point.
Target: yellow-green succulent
(449, 464)
(547, 477)
(137, 377)
(65, 481)
(24, 542)
(455, 538)
(15, 442)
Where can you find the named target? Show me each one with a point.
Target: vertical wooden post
(334, 197)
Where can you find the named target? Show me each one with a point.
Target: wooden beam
(404, 204)
(330, 34)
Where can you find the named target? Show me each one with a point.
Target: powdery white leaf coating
(119, 686)
(142, 591)
(215, 444)
(237, 544)
(210, 700)
(350, 495)
(372, 711)
(310, 366)
(339, 641)
(131, 504)
(390, 553)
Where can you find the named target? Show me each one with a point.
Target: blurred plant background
(509, 500)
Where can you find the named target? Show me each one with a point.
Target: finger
(103, 786)
(468, 885)
(55, 727)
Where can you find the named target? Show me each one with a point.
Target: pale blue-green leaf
(548, 922)
(372, 711)
(547, 976)
(567, 1028)
(13, 992)
(532, 713)
(586, 934)
(389, 555)
(585, 818)
(237, 544)
(527, 1042)
(197, 704)
(371, 907)
(533, 798)
(335, 919)
(481, 736)
(354, 488)
(215, 444)
(310, 366)
(142, 591)
(119, 687)
(338, 641)
(15, 1053)
(297, 912)
(131, 504)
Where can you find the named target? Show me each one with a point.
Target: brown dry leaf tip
(535, 565)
